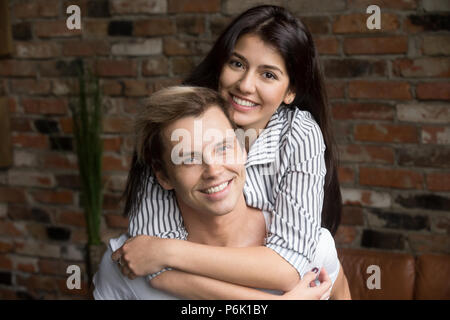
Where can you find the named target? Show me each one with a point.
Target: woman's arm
(190, 286)
(340, 290)
(258, 267)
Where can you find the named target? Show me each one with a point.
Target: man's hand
(307, 289)
(140, 256)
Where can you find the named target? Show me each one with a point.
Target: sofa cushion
(396, 274)
(432, 277)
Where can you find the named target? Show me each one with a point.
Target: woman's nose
(247, 83)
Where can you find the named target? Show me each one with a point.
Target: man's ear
(290, 96)
(163, 180)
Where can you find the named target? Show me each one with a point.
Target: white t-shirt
(110, 284)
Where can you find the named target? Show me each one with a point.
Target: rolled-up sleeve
(296, 216)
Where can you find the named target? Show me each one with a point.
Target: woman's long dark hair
(280, 29)
(277, 27)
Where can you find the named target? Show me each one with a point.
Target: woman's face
(255, 82)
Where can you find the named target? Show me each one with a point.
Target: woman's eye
(269, 75)
(236, 64)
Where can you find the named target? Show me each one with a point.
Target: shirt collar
(265, 147)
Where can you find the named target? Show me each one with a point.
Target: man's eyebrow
(264, 66)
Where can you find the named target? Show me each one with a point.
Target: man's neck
(242, 227)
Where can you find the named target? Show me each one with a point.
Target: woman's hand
(140, 256)
(307, 289)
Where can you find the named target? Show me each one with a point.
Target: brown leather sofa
(401, 276)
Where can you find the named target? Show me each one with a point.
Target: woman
(265, 64)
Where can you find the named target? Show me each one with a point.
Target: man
(207, 173)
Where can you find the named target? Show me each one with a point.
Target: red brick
(345, 235)
(435, 135)
(136, 88)
(357, 23)
(164, 83)
(61, 87)
(111, 87)
(112, 143)
(95, 28)
(438, 181)
(433, 91)
(182, 65)
(176, 47)
(30, 179)
(423, 67)
(37, 50)
(386, 133)
(17, 68)
(6, 246)
(8, 228)
(116, 125)
(66, 125)
(86, 48)
(114, 163)
(327, 45)
(116, 221)
(154, 27)
(193, 6)
(53, 197)
(366, 153)
(366, 111)
(376, 45)
(383, 4)
(435, 44)
(5, 262)
(25, 264)
(335, 90)
(20, 124)
(30, 141)
(429, 243)
(346, 174)
(72, 218)
(194, 25)
(155, 66)
(116, 68)
(379, 90)
(36, 8)
(59, 161)
(119, 7)
(37, 282)
(30, 86)
(45, 106)
(390, 178)
(54, 28)
(352, 216)
(423, 112)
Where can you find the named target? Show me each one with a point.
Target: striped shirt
(285, 175)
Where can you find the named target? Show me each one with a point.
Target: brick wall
(389, 90)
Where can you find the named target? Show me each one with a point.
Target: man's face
(204, 163)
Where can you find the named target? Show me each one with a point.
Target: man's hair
(159, 111)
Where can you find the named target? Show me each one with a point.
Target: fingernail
(315, 270)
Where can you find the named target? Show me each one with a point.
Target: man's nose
(212, 167)
(247, 83)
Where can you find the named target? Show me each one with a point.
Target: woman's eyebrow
(264, 66)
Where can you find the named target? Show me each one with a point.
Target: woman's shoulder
(299, 124)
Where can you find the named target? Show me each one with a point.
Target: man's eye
(191, 160)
